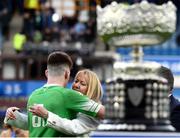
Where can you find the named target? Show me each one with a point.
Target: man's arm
(81, 125)
(175, 118)
(175, 112)
(173, 102)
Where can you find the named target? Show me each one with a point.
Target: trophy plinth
(136, 96)
(136, 99)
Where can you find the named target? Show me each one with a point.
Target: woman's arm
(18, 120)
(81, 125)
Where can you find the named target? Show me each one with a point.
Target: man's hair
(167, 74)
(58, 62)
(58, 58)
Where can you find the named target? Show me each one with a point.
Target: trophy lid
(136, 71)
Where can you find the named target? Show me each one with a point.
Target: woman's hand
(39, 111)
(10, 113)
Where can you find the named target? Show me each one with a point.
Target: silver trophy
(136, 97)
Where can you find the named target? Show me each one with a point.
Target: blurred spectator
(175, 113)
(55, 34)
(38, 20)
(90, 33)
(64, 27)
(30, 9)
(64, 24)
(32, 5)
(17, 6)
(47, 34)
(19, 41)
(12, 132)
(5, 16)
(174, 102)
(47, 13)
(78, 31)
(47, 23)
(37, 37)
(28, 21)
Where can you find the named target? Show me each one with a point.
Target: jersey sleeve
(81, 103)
(83, 124)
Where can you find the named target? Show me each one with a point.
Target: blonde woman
(87, 83)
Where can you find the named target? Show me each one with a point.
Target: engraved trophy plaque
(136, 98)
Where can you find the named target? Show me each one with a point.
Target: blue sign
(12, 88)
(18, 88)
(32, 85)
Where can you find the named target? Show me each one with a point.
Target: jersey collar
(48, 85)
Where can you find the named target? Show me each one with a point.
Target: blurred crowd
(41, 23)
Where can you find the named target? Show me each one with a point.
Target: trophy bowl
(139, 24)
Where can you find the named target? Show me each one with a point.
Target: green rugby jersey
(62, 101)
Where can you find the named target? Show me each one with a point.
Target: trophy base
(136, 127)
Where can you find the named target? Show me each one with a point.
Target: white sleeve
(21, 121)
(81, 125)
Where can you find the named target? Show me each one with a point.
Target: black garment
(175, 112)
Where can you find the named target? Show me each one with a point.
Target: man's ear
(46, 73)
(67, 74)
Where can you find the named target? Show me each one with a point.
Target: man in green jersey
(58, 99)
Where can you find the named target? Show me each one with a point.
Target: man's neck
(56, 80)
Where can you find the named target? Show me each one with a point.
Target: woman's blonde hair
(94, 91)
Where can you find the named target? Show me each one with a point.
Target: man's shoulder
(37, 90)
(72, 92)
(174, 100)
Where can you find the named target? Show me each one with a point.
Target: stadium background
(68, 25)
